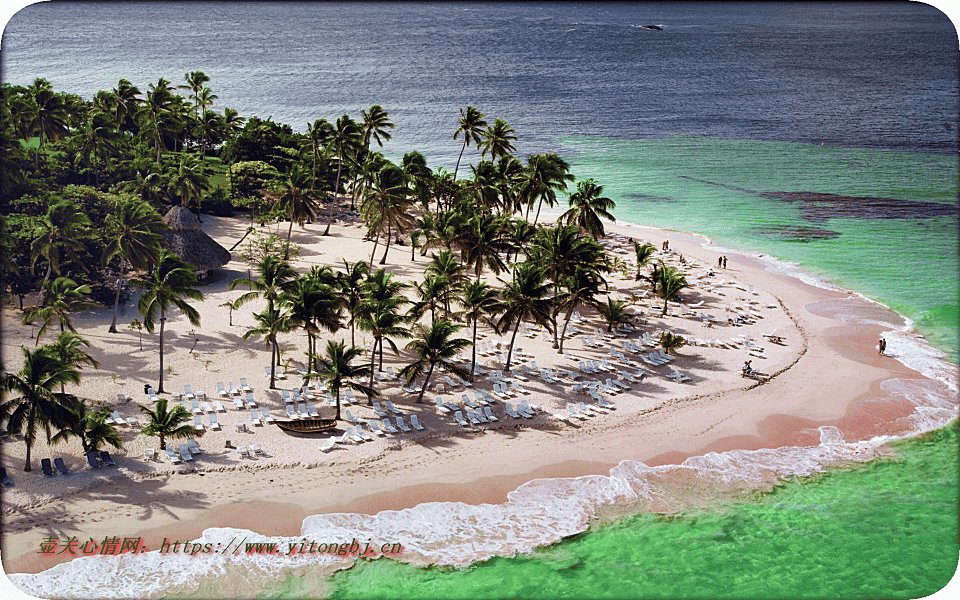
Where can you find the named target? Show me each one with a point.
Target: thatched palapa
(189, 242)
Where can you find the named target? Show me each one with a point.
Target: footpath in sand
(827, 373)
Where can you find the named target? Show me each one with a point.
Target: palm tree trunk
(539, 206)
(273, 369)
(512, 340)
(375, 242)
(116, 298)
(373, 358)
(383, 260)
(337, 416)
(565, 323)
(333, 199)
(286, 251)
(163, 321)
(464, 147)
(423, 388)
(473, 360)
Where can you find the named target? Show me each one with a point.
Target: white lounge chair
(458, 417)
(416, 423)
(291, 412)
(218, 406)
(363, 434)
(194, 448)
(265, 415)
(576, 413)
(489, 414)
(117, 418)
(375, 427)
(377, 409)
(220, 390)
(389, 426)
(403, 426)
(350, 418)
(233, 389)
(238, 403)
(205, 407)
(244, 387)
(302, 410)
(440, 407)
(392, 408)
(185, 453)
(328, 444)
(312, 410)
(255, 417)
(197, 422)
(354, 435)
(214, 425)
(172, 455)
(508, 408)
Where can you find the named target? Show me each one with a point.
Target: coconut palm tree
(670, 341)
(68, 348)
(587, 207)
(45, 113)
(375, 125)
(61, 230)
(63, 296)
(419, 177)
(186, 183)
(273, 276)
(579, 289)
(614, 313)
(337, 372)
(295, 203)
(271, 323)
(155, 111)
(541, 179)
(135, 233)
(524, 298)
(447, 265)
(126, 105)
(498, 140)
(433, 348)
(671, 282)
(313, 305)
(644, 253)
(471, 126)
(344, 138)
(195, 81)
(170, 283)
(385, 206)
(485, 186)
(90, 427)
(432, 292)
(479, 301)
(172, 424)
(482, 242)
(36, 404)
(350, 285)
(383, 320)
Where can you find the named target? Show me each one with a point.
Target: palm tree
(126, 105)
(384, 321)
(312, 305)
(187, 183)
(37, 404)
(644, 254)
(45, 113)
(587, 207)
(614, 312)
(61, 231)
(170, 424)
(447, 265)
(432, 291)
(497, 140)
(345, 136)
(482, 242)
(385, 206)
(471, 126)
(434, 348)
(169, 284)
(670, 341)
(195, 81)
(271, 323)
(375, 125)
(63, 296)
(580, 289)
(155, 111)
(671, 282)
(419, 176)
(541, 179)
(135, 233)
(90, 427)
(68, 348)
(480, 301)
(350, 285)
(335, 369)
(273, 276)
(295, 204)
(524, 298)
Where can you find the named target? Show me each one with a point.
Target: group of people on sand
(882, 346)
(722, 262)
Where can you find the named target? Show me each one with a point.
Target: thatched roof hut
(189, 242)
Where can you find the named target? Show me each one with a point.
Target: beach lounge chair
(255, 417)
(391, 373)
(587, 410)
(152, 394)
(92, 460)
(576, 413)
(458, 417)
(171, 454)
(185, 454)
(198, 422)
(449, 381)
(486, 396)
(107, 459)
(220, 390)
(194, 448)
(403, 426)
(214, 425)
(489, 414)
(149, 453)
(218, 406)
(312, 410)
(363, 434)
(302, 410)
(440, 407)
(238, 403)
(117, 418)
(205, 407)
(286, 396)
(348, 394)
(353, 435)
(331, 401)
(328, 444)
(392, 408)
(508, 408)
(388, 426)
(45, 467)
(255, 450)
(416, 423)
(475, 416)
(380, 412)
(468, 402)
(242, 451)
(291, 412)
(375, 427)
(350, 418)
(251, 403)
(244, 387)
(265, 415)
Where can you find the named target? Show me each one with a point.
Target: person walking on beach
(882, 346)
(719, 262)
(724, 262)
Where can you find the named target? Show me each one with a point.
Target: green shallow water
(886, 530)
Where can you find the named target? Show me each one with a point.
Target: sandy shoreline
(833, 378)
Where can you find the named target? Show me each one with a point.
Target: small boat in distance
(308, 425)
